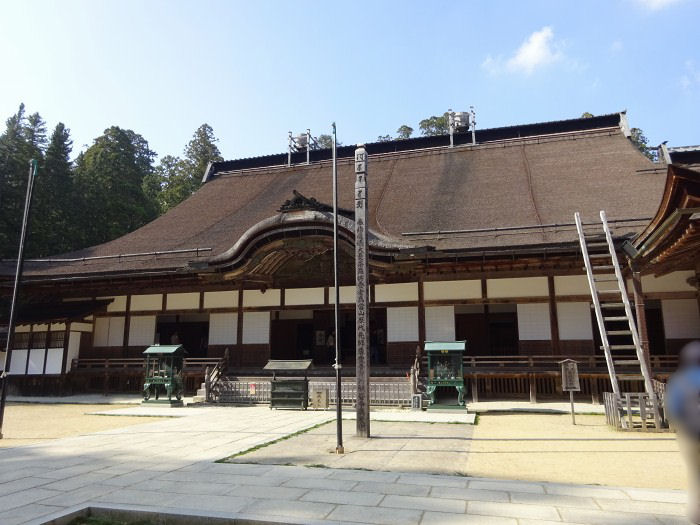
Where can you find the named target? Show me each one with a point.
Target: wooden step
(627, 362)
(612, 305)
(630, 377)
(604, 279)
(619, 332)
(599, 255)
(621, 347)
(615, 318)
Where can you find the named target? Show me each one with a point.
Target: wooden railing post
(207, 384)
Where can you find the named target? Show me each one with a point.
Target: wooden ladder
(623, 351)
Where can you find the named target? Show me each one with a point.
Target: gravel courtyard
(29, 423)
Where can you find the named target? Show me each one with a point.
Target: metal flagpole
(336, 300)
(18, 277)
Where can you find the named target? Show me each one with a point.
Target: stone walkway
(168, 466)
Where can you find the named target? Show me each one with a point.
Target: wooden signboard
(569, 376)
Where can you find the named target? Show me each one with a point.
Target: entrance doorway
(189, 330)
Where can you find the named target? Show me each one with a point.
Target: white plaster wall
(348, 295)
(574, 321)
(391, 293)
(571, 285)
(142, 330)
(681, 318)
(672, 282)
(452, 290)
(40, 328)
(2, 360)
(256, 328)
(223, 328)
(58, 327)
(19, 362)
(36, 361)
(182, 301)
(258, 298)
(300, 296)
(518, 287)
(147, 302)
(81, 327)
(440, 323)
(54, 359)
(225, 299)
(533, 322)
(296, 314)
(73, 349)
(23, 328)
(402, 324)
(117, 305)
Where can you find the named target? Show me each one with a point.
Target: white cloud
(690, 80)
(537, 51)
(656, 5)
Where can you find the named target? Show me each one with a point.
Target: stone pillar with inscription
(362, 298)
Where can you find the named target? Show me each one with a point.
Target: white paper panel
(258, 298)
(19, 362)
(54, 359)
(681, 318)
(452, 290)
(73, 349)
(402, 324)
(40, 328)
(518, 287)
(574, 321)
(386, 293)
(223, 328)
(58, 327)
(116, 331)
(226, 299)
(297, 296)
(142, 330)
(348, 294)
(571, 285)
(256, 328)
(182, 301)
(101, 337)
(23, 328)
(2, 360)
(148, 302)
(36, 361)
(440, 323)
(533, 322)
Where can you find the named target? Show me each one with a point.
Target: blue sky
(255, 70)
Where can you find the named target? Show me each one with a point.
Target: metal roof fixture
(462, 121)
(301, 142)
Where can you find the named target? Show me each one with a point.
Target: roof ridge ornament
(301, 202)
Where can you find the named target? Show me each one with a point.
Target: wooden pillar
(127, 324)
(641, 316)
(362, 299)
(475, 388)
(487, 331)
(533, 388)
(421, 314)
(553, 318)
(239, 328)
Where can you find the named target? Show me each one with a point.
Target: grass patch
(267, 444)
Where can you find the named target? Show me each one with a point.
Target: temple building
(471, 241)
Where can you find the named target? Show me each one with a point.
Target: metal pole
(18, 276)
(336, 301)
(571, 398)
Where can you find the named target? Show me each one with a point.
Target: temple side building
(474, 241)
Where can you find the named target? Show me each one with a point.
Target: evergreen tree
(20, 142)
(109, 177)
(642, 143)
(435, 125)
(175, 179)
(404, 132)
(54, 221)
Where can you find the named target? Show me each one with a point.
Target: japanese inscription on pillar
(362, 299)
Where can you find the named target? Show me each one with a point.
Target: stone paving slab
(418, 416)
(169, 466)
